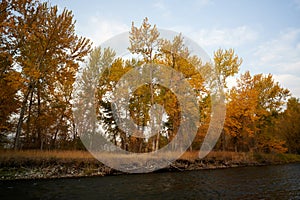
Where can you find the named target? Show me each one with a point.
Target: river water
(266, 182)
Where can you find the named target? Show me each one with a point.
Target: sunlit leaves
(288, 126)
(43, 54)
(144, 40)
(251, 110)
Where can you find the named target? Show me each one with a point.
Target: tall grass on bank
(32, 164)
(36, 156)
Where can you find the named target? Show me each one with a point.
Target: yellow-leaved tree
(43, 53)
(252, 109)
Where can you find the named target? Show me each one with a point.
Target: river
(265, 182)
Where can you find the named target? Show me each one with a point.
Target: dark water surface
(267, 182)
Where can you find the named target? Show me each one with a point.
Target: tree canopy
(40, 55)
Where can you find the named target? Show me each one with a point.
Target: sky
(264, 33)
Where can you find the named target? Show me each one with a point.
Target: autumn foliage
(40, 55)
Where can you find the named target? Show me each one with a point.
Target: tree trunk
(53, 143)
(21, 118)
(28, 120)
(140, 145)
(235, 146)
(223, 136)
(56, 131)
(39, 134)
(157, 141)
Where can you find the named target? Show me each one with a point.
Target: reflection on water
(268, 182)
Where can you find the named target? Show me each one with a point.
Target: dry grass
(219, 155)
(48, 164)
(9, 156)
(37, 155)
(53, 164)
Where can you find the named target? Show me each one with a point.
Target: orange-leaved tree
(252, 109)
(45, 51)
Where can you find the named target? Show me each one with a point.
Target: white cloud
(287, 81)
(226, 37)
(290, 82)
(159, 5)
(99, 29)
(204, 2)
(281, 57)
(162, 8)
(281, 54)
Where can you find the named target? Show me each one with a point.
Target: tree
(288, 127)
(240, 113)
(45, 51)
(226, 64)
(176, 55)
(92, 86)
(271, 101)
(153, 50)
(10, 79)
(252, 109)
(144, 40)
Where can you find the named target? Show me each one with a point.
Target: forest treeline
(40, 60)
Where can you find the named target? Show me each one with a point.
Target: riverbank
(58, 164)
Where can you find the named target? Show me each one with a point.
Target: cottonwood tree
(225, 64)
(253, 107)
(288, 126)
(10, 78)
(45, 51)
(240, 113)
(91, 86)
(145, 41)
(271, 100)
